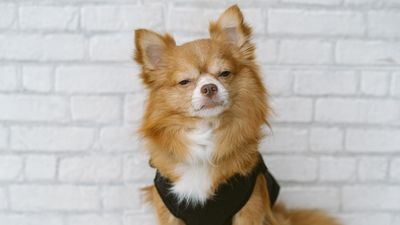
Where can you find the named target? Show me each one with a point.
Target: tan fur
(167, 118)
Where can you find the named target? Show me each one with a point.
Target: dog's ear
(231, 28)
(150, 47)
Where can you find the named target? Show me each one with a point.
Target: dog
(202, 126)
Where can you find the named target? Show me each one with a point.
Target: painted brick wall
(70, 101)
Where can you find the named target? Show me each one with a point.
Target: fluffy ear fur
(150, 47)
(231, 28)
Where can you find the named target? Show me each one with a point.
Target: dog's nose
(209, 90)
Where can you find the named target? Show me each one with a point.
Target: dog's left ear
(150, 50)
(231, 28)
(150, 47)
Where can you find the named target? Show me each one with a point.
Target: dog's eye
(184, 82)
(225, 73)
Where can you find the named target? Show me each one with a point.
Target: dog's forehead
(203, 54)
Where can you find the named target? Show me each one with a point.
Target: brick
(8, 78)
(3, 200)
(278, 81)
(326, 139)
(97, 79)
(315, 22)
(362, 2)
(305, 52)
(118, 139)
(365, 218)
(197, 20)
(30, 219)
(10, 168)
(311, 197)
(337, 169)
(285, 140)
(325, 82)
(131, 164)
(54, 197)
(134, 106)
(336, 110)
(130, 218)
(392, 2)
(42, 47)
(255, 17)
(372, 140)
(3, 137)
(189, 20)
(374, 83)
(123, 17)
(85, 219)
(364, 198)
(383, 23)
(313, 2)
(395, 169)
(396, 220)
(40, 167)
(32, 108)
(104, 1)
(122, 197)
(266, 50)
(367, 52)
(111, 47)
(292, 109)
(8, 15)
(102, 109)
(293, 168)
(48, 17)
(51, 138)
(372, 168)
(90, 169)
(395, 89)
(37, 78)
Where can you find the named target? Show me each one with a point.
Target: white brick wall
(71, 101)
(37, 17)
(317, 22)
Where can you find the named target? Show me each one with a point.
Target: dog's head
(202, 79)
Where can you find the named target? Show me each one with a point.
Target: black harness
(229, 198)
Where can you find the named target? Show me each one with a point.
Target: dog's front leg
(257, 210)
(164, 217)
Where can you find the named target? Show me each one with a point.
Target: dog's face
(197, 79)
(203, 78)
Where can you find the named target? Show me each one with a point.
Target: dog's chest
(194, 183)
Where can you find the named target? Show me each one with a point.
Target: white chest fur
(195, 182)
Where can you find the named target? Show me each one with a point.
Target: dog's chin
(210, 110)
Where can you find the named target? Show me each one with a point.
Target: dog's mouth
(210, 104)
(210, 107)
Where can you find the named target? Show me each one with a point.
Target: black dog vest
(229, 198)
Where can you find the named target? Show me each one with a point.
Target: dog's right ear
(231, 28)
(150, 47)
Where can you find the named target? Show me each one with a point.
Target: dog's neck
(198, 157)
(195, 182)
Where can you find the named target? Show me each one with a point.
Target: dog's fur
(197, 141)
